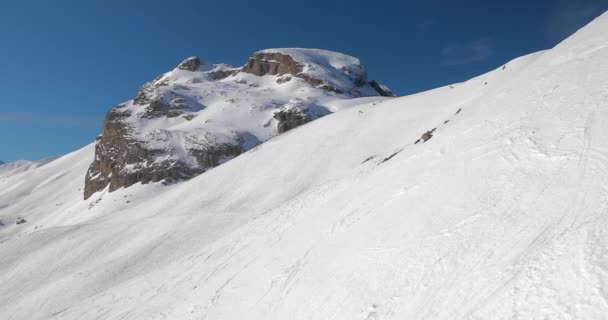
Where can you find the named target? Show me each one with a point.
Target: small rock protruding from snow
(20, 221)
(191, 64)
(426, 136)
(382, 89)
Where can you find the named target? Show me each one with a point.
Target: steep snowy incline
(42, 192)
(12, 168)
(501, 214)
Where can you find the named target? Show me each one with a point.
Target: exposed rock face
(190, 64)
(272, 63)
(196, 117)
(381, 89)
(290, 119)
(121, 160)
(282, 80)
(124, 158)
(426, 136)
(296, 113)
(278, 64)
(222, 72)
(160, 103)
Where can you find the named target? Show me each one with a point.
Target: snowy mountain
(12, 168)
(481, 200)
(196, 116)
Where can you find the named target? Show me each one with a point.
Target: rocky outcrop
(272, 63)
(165, 133)
(222, 71)
(427, 136)
(121, 160)
(296, 113)
(290, 119)
(190, 64)
(279, 64)
(381, 89)
(161, 103)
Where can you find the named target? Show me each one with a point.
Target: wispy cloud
(467, 53)
(425, 26)
(50, 119)
(569, 16)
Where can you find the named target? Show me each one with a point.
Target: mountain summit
(198, 116)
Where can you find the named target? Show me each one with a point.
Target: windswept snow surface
(502, 214)
(12, 168)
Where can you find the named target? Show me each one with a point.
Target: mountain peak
(191, 118)
(328, 70)
(191, 64)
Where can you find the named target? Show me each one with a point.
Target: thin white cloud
(568, 17)
(50, 119)
(425, 26)
(467, 53)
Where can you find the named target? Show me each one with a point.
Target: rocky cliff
(198, 116)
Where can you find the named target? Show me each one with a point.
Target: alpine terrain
(213, 195)
(196, 117)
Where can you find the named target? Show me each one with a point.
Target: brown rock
(426, 136)
(121, 161)
(275, 63)
(290, 119)
(278, 64)
(190, 64)
(381, 89)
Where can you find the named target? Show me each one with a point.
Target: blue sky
(65, 63)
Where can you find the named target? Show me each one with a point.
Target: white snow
(337, 69)
(500, 215)
(243, 105)
(12, 168)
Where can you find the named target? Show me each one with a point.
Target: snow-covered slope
(501, 214)
(42, 191)
(12, 168)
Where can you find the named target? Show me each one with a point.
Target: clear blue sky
(64, 63)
